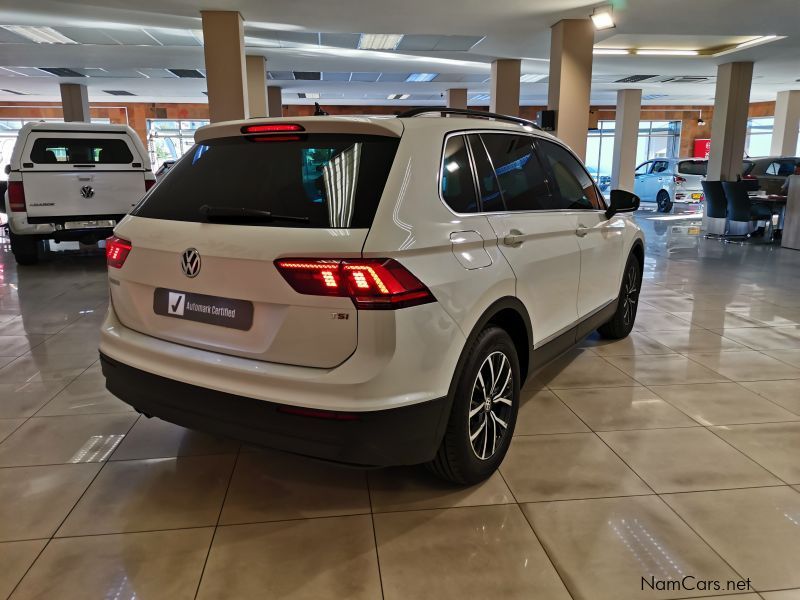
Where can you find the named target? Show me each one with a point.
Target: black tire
(620, 325)
(664, 202)
(458, 459)
(25, 248)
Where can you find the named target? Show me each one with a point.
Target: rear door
(640, 179)
(69, 174)
(658, 179)
(536, 237)
(188, 269)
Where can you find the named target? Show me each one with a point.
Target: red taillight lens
(16, 196)
(749, 177)
(117, 251)
(678, 179)
(148, 183)
(272, 128)
(381, 283)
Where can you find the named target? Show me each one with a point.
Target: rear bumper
(399, 436)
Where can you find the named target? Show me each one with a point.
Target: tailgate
(68, 194)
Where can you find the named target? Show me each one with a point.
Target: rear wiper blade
(227, 213)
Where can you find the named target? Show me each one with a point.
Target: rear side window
(576, 188)
(458, 187)
(81, 151)
(325, 180)
(521, 177)
(784, 168)
(488, 187)
(693, 167)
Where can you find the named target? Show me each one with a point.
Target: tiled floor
(672, 453)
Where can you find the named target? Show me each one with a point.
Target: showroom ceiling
(154, 51)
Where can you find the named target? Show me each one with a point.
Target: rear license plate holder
(211, 310)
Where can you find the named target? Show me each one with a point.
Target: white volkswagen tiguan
(367, 290)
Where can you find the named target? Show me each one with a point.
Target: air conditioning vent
(654, 96)
(119, 92)
(307, 75)
(634, 78)
(61, 72)
(15, 92)
(187, 73)
(685, 79)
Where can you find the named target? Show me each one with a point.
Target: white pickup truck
(72, 182)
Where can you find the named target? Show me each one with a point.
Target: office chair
(742, 213)
(716, 209)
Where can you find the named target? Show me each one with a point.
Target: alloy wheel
(630, 295)
(490, 405)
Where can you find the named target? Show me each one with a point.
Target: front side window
(81, 151)
(522, 180)
(642, 169)
(458, 187)
(576, 188)
(660, 166)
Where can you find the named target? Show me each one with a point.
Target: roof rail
(481, 114)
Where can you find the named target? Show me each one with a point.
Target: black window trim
(534, 137)
(557, 188)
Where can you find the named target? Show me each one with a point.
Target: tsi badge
(87, 191)
(176, 304)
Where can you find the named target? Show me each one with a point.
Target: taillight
(749, 177)
(678, 179)
(117, 251)
(380, 283)
(272, 128)
(16, 196)
(148, 183)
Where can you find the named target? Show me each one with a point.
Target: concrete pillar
(256, 85)
(570, 82)
(626, 137)
(505, 86)
(75, 102)
(223, 47)
(456, 98)
(729, 127)
(787, 123)
(274, 101)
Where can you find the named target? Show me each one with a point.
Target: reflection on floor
(670, 454)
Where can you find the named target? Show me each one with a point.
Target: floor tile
(784, 392)
(24, 399)
(676, 460)
(160, 565)
(755, 530)
(606, 409)
(85, 395)
(4, 360)
(635, 343)
(746, 366)
(566, 466)
(16, 345)
(478, 552)
(660, 321)
(35, 500)
(543, 412)
(664, 370)
(577, 370)
(694, 340)
(790, 357)
(766, 338)
(782, 595)
(154, 438)
(16, 557)
(775, 446)
(603, 548)
(722, 403)
(414, 488)
(719, 319)
(142, 495)
(59, 440)
(8, 426)
(35, 367)
(321, 559)
(269, 486)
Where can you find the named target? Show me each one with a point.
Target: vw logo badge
(190, 262)
(87, 191)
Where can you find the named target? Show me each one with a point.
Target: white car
(372, 291)
(72, 182)
(666, 181)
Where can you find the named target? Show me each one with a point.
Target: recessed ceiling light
(756, 40)
(610, 51)
(379, 41)
(602, 18)
(421, 77)
(667, 52)
(398, 97)
(531, 77)
(40, 35)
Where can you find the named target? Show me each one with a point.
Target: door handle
(513, 239)
(581, 231)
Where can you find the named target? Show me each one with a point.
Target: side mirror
(622, 201)
(8, 169)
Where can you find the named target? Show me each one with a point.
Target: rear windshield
(332, 180)
(81, 151)
(747, 166)
(692, 167)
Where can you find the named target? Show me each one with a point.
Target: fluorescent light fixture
(531, 78)
(480, 97)
(756, 40)
(421, 77)
(602, 18)
(610, 51)
(379, 41)
(398, 97)
(40, 35)
(667, 52)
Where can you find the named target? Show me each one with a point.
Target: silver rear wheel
(490, 405)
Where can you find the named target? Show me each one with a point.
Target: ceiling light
(421, 77)
(602, 18)
(610, 51)
(701, 121)
(40, 35)
(398, 97)
(667, 52)
(756, 40)
(531, 78)
(379, 41)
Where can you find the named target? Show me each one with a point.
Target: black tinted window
(491, 197)
(693, 167)
(458, 187)
(660, 166)
(522, 180)
(576, 188)
(82, 151)
(333, 180)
